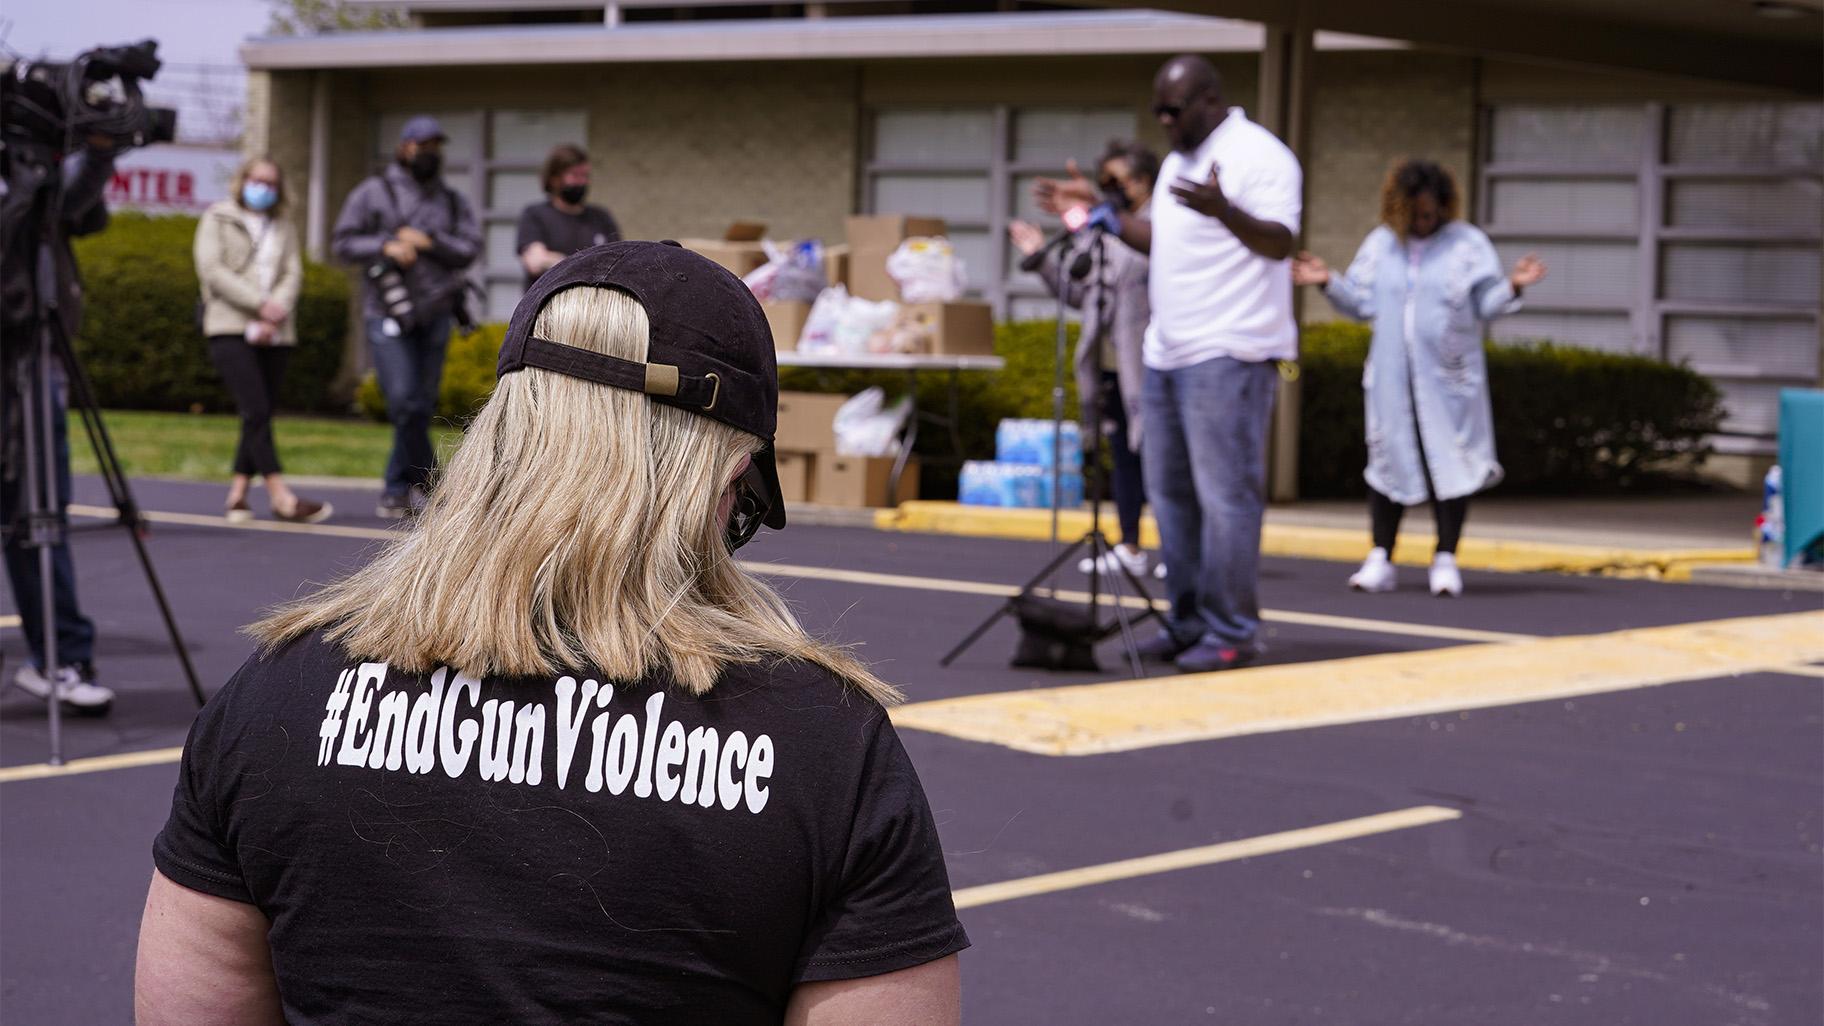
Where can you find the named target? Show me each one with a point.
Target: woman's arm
(290, 285)
(203, 961)
(924, 995)
(1351, 292)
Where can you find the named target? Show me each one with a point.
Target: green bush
(139, 340)
(468, 377)
(1565, 419)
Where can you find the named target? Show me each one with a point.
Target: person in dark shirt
(554, 756)
(562, 223)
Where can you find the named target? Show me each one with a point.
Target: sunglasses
(1176, 110)
(751, 507)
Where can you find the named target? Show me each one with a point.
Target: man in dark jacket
(85, 177)
(414, 236)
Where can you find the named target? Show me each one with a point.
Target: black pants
(1385, 514)
(253, 375)
(1126, 482)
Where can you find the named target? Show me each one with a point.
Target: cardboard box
(887, 231)
(786, 318)
(872, 239)
(738, 249)
(836, 264)
(806, 422)
(795, 470)
(957, 329)
(860, 480)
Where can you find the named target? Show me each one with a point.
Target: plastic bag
(910, 332)
(927, 270)
(866, 426)
(793, 273)
(819, 334)
(858, 321)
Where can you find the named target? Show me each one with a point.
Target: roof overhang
(1060, 34)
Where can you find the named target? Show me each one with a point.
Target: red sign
(149, 187)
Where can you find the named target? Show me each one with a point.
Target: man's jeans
(75, 632)
(1206, 475)
(410, 368)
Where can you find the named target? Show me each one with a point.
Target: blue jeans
(75, 632)
(410, 368)
(1206, 474)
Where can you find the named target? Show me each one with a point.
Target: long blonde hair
(575, 526)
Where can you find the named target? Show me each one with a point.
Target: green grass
(200, 446)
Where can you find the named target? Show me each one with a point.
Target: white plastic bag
(819, 335)
(866, 426)
(858, 321)
(927, 270)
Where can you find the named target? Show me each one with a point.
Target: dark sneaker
(1161, 648)
(305, 511)
(393, 507)
(76, 689)
(239, 512)
(1210, 656)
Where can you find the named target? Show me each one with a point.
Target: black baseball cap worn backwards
(710, 350)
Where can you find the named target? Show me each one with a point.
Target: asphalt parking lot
(1556, 800)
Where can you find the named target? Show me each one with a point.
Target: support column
(316, 206)
(1284, 106)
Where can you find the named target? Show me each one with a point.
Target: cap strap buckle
(660, 380)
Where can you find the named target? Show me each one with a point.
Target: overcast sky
(197, 39)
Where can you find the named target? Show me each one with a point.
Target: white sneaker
(1445, 579)
(1115, 558)
(75, 689)
(1376, 575)
(1159, 571)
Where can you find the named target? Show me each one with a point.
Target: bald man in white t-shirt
(1221, 291)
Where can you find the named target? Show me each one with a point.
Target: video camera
(96, 94)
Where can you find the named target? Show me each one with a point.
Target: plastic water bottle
(1771, 524)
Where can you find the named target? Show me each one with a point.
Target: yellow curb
(1342, 545)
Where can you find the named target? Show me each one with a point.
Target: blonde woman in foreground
(554, 756)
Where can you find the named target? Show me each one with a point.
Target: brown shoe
(305, 511)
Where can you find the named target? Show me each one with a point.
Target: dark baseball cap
(710, 350)
(422, 128)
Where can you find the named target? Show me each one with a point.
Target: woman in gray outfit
(1112, 296)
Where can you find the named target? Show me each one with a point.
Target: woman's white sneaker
(75, 684)
(1445, 578)
(1135, 562)
(1376, 575)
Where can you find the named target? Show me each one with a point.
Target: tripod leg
(1007, 606)
(82, 391)
(44, 529)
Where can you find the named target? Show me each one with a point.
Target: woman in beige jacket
(248, 266)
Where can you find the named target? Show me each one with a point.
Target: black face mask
(573, 194)
(425, 165)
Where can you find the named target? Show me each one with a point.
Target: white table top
(892, 361)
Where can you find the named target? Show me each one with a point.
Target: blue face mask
(259, 196)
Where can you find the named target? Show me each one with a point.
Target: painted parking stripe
(8, 621)
(1208, 855)
(1092, 719)
(76, 767)
(867, 577)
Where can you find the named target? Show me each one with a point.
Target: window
(1689, 232)
(493, 158)
(974, 167)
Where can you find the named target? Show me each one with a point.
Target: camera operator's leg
(397, 369)
(74, 676)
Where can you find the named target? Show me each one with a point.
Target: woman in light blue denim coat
(1429, 283)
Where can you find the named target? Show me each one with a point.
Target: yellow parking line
(9, 621)
(1096, 718)
(124, 760)
(879, 580)
(1208, 855)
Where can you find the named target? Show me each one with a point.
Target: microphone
(1079, 268)
(1101, 217)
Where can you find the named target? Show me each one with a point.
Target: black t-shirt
(430, 848)
(564, 233)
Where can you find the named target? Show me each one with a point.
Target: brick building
(1667, 160)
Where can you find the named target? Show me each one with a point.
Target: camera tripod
(41, 512)
(1087, 626)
